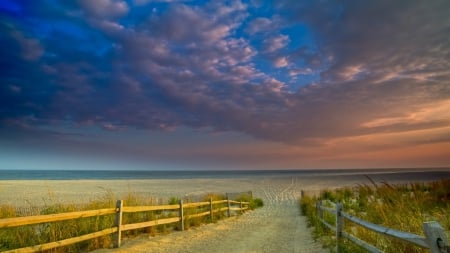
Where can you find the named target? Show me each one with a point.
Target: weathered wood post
(241, 206)
(229, 206)
(319, 209)
(211, 210)
(302, 193)
(339, 225)
(181, 216)
(119, 212)
(436, 238)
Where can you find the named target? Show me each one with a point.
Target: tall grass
(23, 236)
(403, 207)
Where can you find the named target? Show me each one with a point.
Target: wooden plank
(52, 245)
(198, 204)
(339, 225)
(222, 209)
(329, 210)
(327, 224)
(319, 209)
(132, 209)
(235, 209)
(132, 226)
(181, 215)
(229, 206)
(220, 201)
(119, 215)
(211, 209)
(238, 202)
(408, 237)
(361, 243)
(436, 237)
(198, 214)
(28, 220)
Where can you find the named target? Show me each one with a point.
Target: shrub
(253, 202)
(256, 203)
(403, 207)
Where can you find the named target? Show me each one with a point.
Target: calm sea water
(423, 173)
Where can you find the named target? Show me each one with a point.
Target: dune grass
(23, 236)
(403, 207)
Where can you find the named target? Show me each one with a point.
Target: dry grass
(18, 237)
(403, 207)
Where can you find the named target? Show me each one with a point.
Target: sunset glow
(173, 85)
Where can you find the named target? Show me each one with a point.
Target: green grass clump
(403, 207)
(253, 202)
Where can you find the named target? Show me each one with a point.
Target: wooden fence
(435, 238)
(212, 206)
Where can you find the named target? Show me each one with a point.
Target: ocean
(395, 174)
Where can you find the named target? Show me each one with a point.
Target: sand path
(277, 227)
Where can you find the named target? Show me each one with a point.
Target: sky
(226, 85)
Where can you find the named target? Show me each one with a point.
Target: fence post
(229, 206)
(319, 209)
(302, 193)
(181, 215)
(119, 207)
(339, 225)
(436, 238)
(211, 210)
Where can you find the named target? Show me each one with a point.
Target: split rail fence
(119, 210)
(435, 238)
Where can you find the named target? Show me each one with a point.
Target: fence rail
(119, 227)
(435, 240)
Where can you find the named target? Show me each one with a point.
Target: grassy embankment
(403, 207)
(18, 237)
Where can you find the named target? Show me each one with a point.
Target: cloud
(109, 27)
(105, 8)
(263, 25)
(395, 42)
(274, 85)
(227, 67)
(144, 2)
(432, 113)
(351, 73)
(31, 48)
(111, 127)
(280, 62)
(275, 43)
(300, 71)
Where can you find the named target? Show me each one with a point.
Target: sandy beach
(277, 227)
(26, 193)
